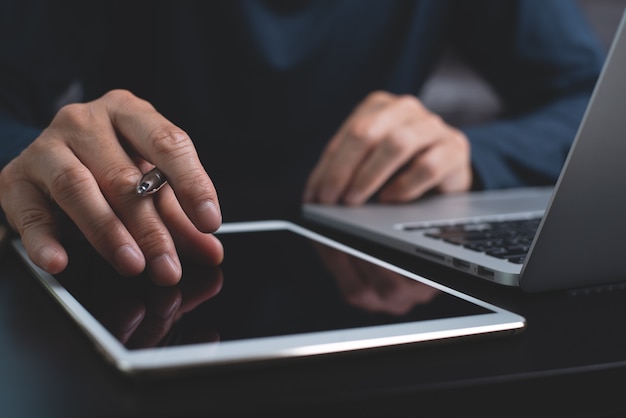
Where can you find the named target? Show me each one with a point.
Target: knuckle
(378, 96)
(195, 181)
(410, 101)
(398, 141)
(460, 140)
(77, 115)
(429, 166)
(45, 150)
(103, 230)
(30, 219)
(120, 96)
(69, 181)
(363, 130)
(119, 180)
(9, 175)
(153, 237)
(435, 122)
(192, 179)
(432, 167)
(166, 141)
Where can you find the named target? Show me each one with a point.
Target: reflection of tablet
(282, 292)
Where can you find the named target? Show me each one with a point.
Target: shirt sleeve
(543, 59)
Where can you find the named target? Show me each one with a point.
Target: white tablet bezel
(175, 358)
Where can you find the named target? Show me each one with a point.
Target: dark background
(570, 361)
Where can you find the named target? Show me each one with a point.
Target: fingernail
(48, 259)
(128, 260)
(164, 271)
(209, 215)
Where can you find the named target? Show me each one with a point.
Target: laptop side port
(460, 264)
(432, 256)
(487, 274)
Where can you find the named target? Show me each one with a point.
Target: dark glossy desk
(570, 361)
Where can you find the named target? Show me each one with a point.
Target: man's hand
(88, 162)
(390, 145)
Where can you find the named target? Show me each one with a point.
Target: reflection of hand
(372, 287)
(392, 145)
(88, 163)
(140, 314)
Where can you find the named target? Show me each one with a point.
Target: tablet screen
(275, 284)
(271, 283)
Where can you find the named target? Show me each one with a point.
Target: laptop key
(507, 252)
(517, 260)
(509, 239)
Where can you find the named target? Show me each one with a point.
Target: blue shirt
(261, 85)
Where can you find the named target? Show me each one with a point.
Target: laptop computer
(577, 228)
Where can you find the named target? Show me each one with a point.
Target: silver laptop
(574, 233)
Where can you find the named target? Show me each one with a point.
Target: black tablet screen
(271, 283)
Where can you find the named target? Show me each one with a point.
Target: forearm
(542, 59)
(528, 149)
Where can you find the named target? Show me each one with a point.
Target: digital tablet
(282, 292)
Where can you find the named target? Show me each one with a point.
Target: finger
(29, 211)
(460, 177)
(424, 173)
(145, 225)
(332, 174)
(350, 147)
(169, 148)
(199, 246)
(326, 183)
(394, 152)
(151, 234)
(117, 176)
(75, 190)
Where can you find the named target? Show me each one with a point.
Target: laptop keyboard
(505, 239)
